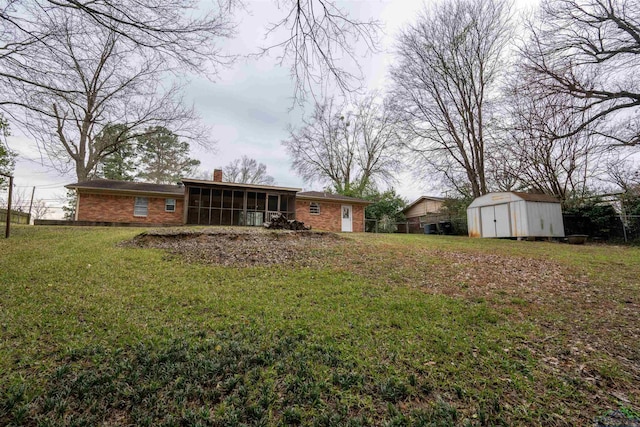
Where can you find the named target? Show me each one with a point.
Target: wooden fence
(17, 217)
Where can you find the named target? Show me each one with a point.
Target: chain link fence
(624, 228)
(437, 224)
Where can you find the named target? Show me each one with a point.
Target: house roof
(319, 195)
(420, 199)
(128, 187)
(238, 184)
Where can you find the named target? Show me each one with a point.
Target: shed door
(347, 220)
(488, 217)
(503, 226)
(495, 221)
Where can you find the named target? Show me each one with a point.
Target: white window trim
(136, 207)
(311, 206)
(166, 204)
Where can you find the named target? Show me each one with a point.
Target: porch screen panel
(288, 206)
(205, 198)
(216, 215)
(216, 198)
(255, 208)
(193, 210)
(261, 201)
(227, 204)
(192, 216)
(273, 203)
(238, 199)
(238, 208)
(226, 217)
(238, 218)
(227, 199)
(216, 204)
(204, 216)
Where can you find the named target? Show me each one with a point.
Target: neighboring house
(204, 202)
(424, 210)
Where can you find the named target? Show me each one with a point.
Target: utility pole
(33, 192)
(7, 230)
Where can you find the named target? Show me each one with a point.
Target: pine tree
(164, 159)
(120, 164)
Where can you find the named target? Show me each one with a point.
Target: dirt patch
(239, 247)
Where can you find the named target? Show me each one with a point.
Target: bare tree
(248, 171)
(94, 77)
(445, 83)
(180, 30)
(624, 173)
(19, 200)
(68, 68)
(320, 37)
(590, 50)
(347, 148)
(40, 209)
(532, 155)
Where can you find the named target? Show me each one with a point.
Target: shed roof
(319, 195)
(112, 185)
(191, 181)
(537, 197)
(511, 196)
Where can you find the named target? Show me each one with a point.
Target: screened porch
(248, 206)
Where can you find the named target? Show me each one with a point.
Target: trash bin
(431, 229)
(446, 227)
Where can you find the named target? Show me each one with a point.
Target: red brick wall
(111, 208)
(330, 217)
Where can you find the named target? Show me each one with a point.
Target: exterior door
(503, 225)
(495, 221)
(488, 218)
(347, 218)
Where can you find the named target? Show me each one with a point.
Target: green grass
(93, 333)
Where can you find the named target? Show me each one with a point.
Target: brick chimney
(217, 175)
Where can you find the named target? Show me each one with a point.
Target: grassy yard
(372, 330)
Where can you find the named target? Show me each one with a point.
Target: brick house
(106, 200)
(204, 202)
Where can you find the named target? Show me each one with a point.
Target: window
(314, 208)
(170, 205)
(141, 206)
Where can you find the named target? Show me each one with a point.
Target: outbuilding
(511, 214)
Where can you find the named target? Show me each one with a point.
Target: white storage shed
(513, 214)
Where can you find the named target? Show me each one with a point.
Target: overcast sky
(249, 106)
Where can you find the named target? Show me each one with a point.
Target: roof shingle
(128, 186)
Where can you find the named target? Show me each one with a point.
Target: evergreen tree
(7, 157)
(163, 158)
(120, 164)
(386, 209)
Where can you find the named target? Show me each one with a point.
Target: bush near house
(370, 330)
